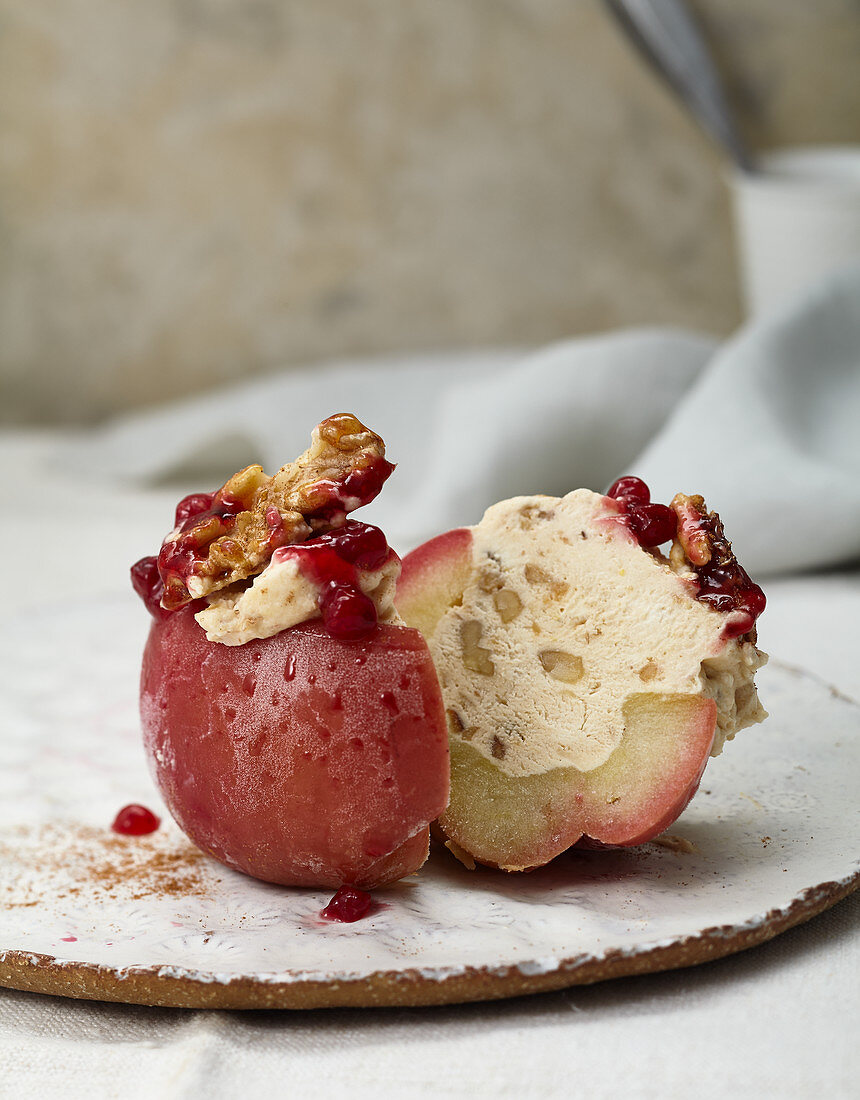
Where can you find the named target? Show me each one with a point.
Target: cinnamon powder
(55, 862)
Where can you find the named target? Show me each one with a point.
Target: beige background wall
(193, 190)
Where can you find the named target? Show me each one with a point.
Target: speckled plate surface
(771, 839)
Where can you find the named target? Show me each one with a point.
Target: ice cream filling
(566, 617)
(284, 595)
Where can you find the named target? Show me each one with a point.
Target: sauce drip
(348, 905)
(724, 584)
(147, 583)
(135, 820)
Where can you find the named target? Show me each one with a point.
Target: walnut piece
(508, 604)
(475, 657)
(721, 581)
(252, 514)
(649, 671)
(692, 536)
(563, 666)
(535, 574)
(457, 727)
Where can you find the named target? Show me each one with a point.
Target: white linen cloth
(766, 427)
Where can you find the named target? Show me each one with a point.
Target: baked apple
(293, 723)
(587, 677)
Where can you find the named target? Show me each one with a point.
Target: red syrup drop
(135, 820)
(332, 562)
(348, 905)
(650, 524)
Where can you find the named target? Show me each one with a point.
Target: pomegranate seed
(192, 505)
(348, 905)
(146, 581)
(361, 544)
(135, 820)
(652, 524)
(632, 490)
(348, 612)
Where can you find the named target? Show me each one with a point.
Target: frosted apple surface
(293, 723)
(301, 759)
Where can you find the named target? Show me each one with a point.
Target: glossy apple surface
(299, 759)
(518, 823)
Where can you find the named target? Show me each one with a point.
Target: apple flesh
(300, 759)
(518, 823)
(433, 578)
(521, 822)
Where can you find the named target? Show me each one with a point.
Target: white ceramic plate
(772, 838)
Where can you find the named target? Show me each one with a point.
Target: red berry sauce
(720, 581)
(135, 820)
(650, 524)
(723, 583)
(162, 582)
(331, 500)
(200, 518)
(332, 562)
(348, 905)
(190, 506)
(147, 583)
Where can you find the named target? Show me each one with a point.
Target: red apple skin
(521, 823)
(299, 759)
(433, 577)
